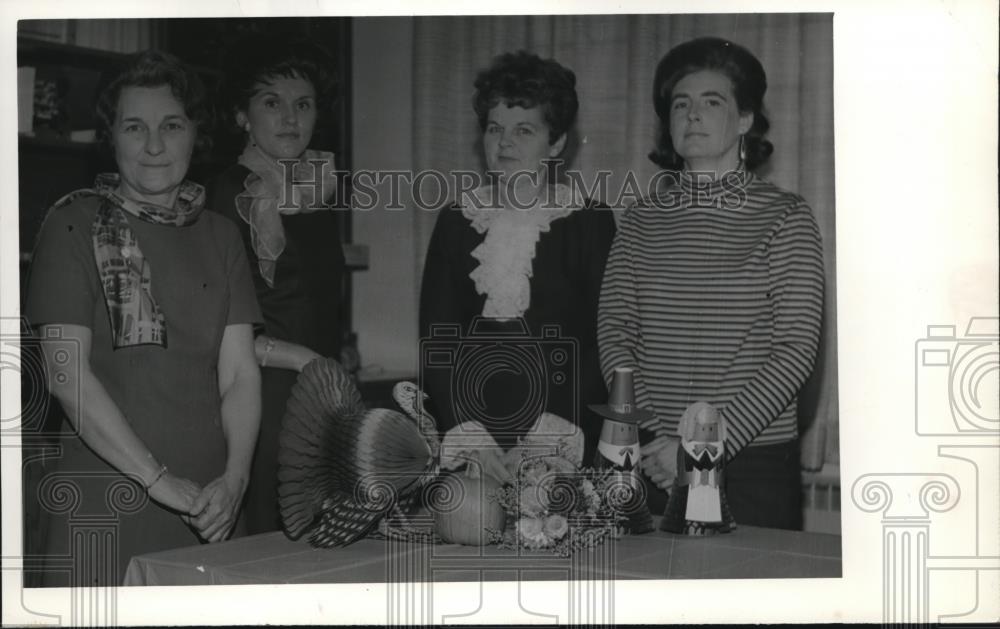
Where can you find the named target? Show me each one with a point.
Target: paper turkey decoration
(343, 467)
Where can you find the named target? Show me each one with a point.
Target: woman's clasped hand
(213, 510)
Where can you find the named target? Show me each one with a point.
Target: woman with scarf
(714, 289)
(145, 311)
(518, 260)
(276, 193)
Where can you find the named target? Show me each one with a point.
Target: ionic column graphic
(409, 584)
(592, 584)
(905, 501)
(93, 540)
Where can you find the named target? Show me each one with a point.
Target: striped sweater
(715, 293)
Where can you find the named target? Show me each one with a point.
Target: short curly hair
(523, 79)
(152, 68)
(749, 84)
(262, 58)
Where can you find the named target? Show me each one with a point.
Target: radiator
(821, 500)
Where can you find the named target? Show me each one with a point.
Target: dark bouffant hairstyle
(152, 68)
(263, 58)
(522, 79)
(749, 85)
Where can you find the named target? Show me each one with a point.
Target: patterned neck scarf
(126, 277)
(271, 190)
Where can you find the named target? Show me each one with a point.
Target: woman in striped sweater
(714, 286)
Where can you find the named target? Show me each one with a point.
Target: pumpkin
(463, 509)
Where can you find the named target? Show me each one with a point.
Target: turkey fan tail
(334, 385)
(324, 397)
(341, 521)
(340, 468)
(377, 459)
(392, 457)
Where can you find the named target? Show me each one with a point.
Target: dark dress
(492, 381)
(94, 519)
(302, 307)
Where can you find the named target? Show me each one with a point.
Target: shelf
(64, 54)
(57, 144)
(31, 51)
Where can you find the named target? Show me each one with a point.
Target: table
(747, 552)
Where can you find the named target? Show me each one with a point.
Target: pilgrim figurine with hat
(697, 503)
(619, 446)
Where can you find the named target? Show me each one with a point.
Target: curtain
(615, 58)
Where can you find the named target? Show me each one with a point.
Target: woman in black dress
(277, 194)
(518, 260)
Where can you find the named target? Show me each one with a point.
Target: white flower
(591, 496)
(535, 473)
(532, 532)
(534, 500)
(556, 526)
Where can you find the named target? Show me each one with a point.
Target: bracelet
(268, 346)
(159, 475)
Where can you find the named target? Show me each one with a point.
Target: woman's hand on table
(659, 461)
(214, 511)
(175, 492)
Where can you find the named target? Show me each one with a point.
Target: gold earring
(743, 151)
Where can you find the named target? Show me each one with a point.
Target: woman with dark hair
(277, 192)
(521, 256)
(748, 81)
(145, 309)
(714, 287)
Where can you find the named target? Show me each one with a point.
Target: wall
(385, 295)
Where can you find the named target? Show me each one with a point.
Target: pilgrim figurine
(618, 448)
(697, 502)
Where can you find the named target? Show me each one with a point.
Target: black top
(479, 379)
(303, 305)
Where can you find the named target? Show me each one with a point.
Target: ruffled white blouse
(508, 250)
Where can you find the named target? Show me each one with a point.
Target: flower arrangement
(555, 506)
(551, 503)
